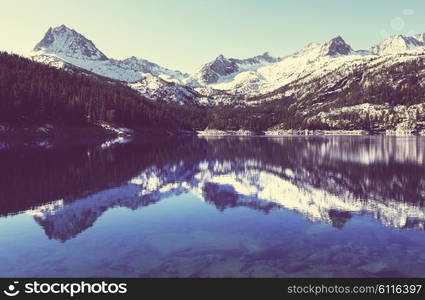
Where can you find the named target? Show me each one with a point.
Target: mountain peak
(221, 66)
(63, 27)
(265, 54)
(220, 57)
(398, 44)
(333, 48)
(265, 57)
(336, 46)
(64, 41)
(133, 59)
(338, 39)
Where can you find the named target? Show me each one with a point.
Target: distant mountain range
(226, 80)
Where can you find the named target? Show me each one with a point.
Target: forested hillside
(33, 93)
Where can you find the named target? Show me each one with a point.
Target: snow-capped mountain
(334, 48)
(398, 44)
(315, 60)
(144, 66)
(63, 47)
(223, 67)
(62, 44)
(229, 80)
(66, 42)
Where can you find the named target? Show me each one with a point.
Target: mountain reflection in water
(326, 180)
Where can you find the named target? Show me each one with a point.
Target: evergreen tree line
(33, 93)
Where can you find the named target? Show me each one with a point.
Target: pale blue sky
(185, 34)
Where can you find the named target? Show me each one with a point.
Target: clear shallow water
(230, 207)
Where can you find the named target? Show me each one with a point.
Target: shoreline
(108, 132)
(34, 133)
(288, 133)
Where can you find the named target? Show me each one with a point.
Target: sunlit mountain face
(243, 204)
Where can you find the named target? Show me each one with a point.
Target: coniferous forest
(34, 93)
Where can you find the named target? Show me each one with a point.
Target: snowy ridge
(316, 60)
(155, 87)
(144, 66)
(224, 80)
(224, 69)
(398, 44)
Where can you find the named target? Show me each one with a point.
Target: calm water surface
(227, 207)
